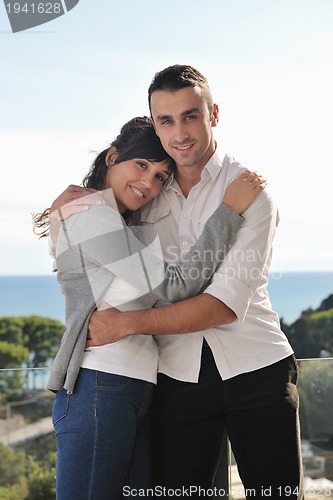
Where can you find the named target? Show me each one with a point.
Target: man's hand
(189, 315)
(73, 200)
(105, 327)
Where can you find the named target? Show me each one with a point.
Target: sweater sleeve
(100, 238)
(194, 271)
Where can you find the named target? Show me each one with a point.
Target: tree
(326, 304)
(311, 335)
(12, 355)
(38, 335)
(41, 479)
(24, 477)
(12, 466)
(304, 343)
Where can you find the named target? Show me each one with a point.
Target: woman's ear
(111, 156)
(215, 115)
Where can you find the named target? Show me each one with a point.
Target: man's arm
(189, 315)
(225, 299)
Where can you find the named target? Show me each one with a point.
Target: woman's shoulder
(92, 223)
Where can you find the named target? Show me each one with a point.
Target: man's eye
(165, 122)
(190, 117)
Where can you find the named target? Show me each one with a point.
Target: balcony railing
(27, 446)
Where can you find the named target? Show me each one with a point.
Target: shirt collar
(211, 169)
(214, 165)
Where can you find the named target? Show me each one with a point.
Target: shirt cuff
(233, 293)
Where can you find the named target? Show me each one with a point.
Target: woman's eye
(141, 164)
(160, 177)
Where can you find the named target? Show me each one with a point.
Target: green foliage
(16, 492)
(22, 477)
(304, 342)
(312, 333)
(11, 329)
(322, 316)
(326, 304)
(12, 355)
(41, 479)
(12, 466)
(35, 338)
(42, 337)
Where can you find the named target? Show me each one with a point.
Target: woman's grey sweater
(95, 246)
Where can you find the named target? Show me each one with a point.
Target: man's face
(184, 125)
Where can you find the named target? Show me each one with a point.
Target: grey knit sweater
(95, 246)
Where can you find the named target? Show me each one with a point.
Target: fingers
(70, 194)
(254, 180)
(68, 210)
(73, 200)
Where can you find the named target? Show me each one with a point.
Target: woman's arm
(101, 237)
(194, 271)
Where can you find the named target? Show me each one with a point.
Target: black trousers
(260, 412)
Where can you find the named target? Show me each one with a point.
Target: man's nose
(180, 132)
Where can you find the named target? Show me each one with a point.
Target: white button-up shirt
(255, 339)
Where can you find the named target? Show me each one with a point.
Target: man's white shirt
(255, 339)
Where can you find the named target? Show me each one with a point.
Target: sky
(67, 87)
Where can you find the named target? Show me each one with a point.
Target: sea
(290, 294)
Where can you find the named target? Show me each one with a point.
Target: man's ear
(215, 115)
(111, 156)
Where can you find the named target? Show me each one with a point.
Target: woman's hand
(243, 190)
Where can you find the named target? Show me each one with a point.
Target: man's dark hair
(177, 77)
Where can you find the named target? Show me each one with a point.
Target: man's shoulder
(230, 161)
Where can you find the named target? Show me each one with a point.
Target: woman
(102, 407)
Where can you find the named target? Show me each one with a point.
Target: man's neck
(187, 178)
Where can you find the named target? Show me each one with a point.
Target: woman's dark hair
(137, 139)
(177, 77)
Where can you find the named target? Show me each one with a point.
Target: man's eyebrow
(184, 113)
(190, 111)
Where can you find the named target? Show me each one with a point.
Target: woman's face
(136, 182)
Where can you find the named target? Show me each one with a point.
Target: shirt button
(184, 243)
(185, 216)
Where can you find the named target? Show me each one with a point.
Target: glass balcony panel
(27, 445)
(315, 386)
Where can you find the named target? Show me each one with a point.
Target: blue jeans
(103, 437)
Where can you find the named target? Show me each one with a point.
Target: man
(224, 362)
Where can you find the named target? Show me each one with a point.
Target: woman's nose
(147, 180)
